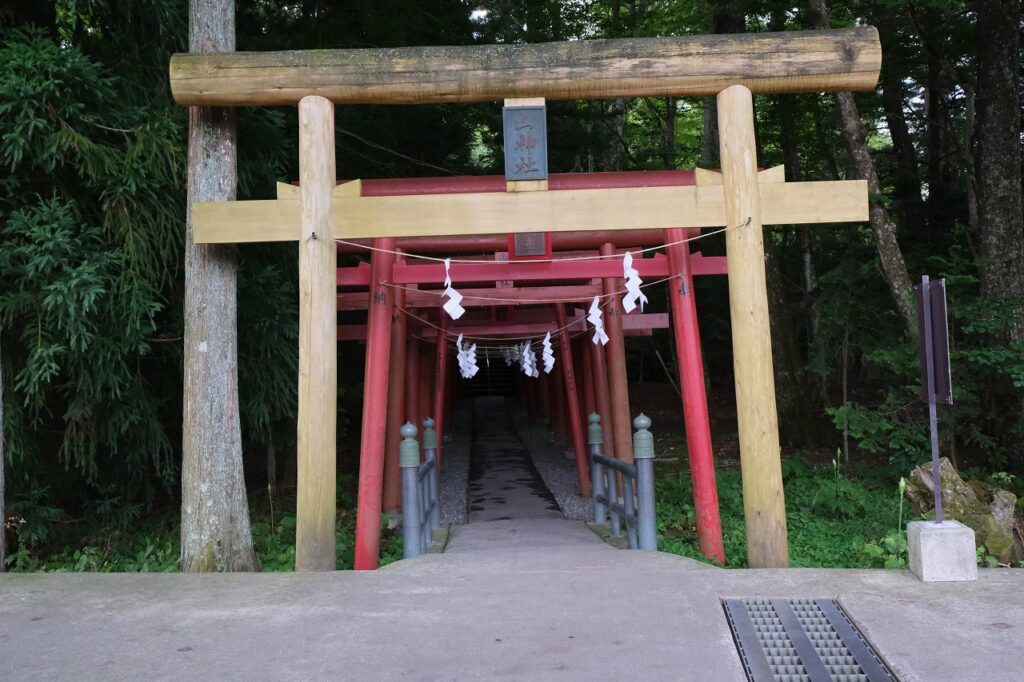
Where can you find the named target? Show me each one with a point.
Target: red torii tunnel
(408, 335)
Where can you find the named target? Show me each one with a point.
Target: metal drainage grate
(801, 640)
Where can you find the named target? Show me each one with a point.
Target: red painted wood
(650, 268)
(426, 382)
(615, 354)
(583, 364)
(412, 379)
(396, 406)
(513, 296)
(572, 404)
(440, 384)
(560, 241)
(599, 372)
(695, 406)
(375, 394)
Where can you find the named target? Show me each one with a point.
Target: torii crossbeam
(731, 67)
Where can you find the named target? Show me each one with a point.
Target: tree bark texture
(894, 268)
(909, 204)
(726, 17)
(3, 463)
(215, 533)
(1000, 208)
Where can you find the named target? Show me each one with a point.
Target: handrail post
(430, 454)
(613, 499)
(629, 510)
(595, 439)
(409, 462)
(643, 456)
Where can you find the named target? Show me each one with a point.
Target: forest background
(92, 225)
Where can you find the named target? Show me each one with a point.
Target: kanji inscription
(526, 143)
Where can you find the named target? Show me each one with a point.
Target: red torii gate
(392, 278)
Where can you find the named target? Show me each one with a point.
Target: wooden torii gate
(732, 67)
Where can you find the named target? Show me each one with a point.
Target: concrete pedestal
(942, 552)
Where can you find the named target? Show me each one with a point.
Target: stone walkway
(503, 483)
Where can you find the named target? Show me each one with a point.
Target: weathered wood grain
(318, 352)
(766, 63)
(764, 506)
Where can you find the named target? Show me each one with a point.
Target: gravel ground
(454, 484)
(555, 463)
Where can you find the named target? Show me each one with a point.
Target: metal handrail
(421, 507)
(637, 511)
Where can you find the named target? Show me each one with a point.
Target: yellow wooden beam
(713, 177)
(632, 208)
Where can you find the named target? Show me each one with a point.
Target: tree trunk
(215, 534)
(3, 508)
(1000, 209)
(908, 181)
(726, 17)
(894, 269)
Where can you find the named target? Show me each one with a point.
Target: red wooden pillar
(583, 363)
(615, 351)
(426, 385)
(560, 409)
(602, 397)
(695, 404)
(572, 404)
(555, 410)
(396, 404)
(453, 389)
(412, 380)
(441, 365)
(375, 408)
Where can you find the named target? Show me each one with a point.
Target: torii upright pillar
(764, 506)
(318, 345)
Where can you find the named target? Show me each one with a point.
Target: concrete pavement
(578, 613)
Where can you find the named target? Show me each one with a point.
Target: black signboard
(932, 328)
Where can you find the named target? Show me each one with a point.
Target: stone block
(942, 552)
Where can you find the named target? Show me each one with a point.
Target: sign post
(933, 345)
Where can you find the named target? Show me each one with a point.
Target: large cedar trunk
(3, 508)
(215, 534)
(894, 268)
(1000, 209)
(726, 17)
(907, 199)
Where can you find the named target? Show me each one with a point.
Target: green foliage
(987, 374)
(860, 531)
(99, 544)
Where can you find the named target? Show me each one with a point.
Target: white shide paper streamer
(466, 356)
(547, 355)
(451, 306)
(594, 318)
(633, 282)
